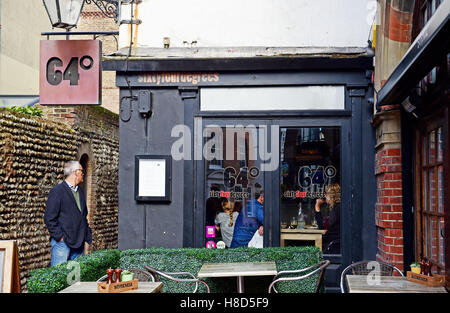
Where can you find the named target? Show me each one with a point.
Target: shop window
(310, 178)
(234, 185)
(427, 9)
(431, 219)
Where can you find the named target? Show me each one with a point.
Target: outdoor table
(239, 270)
(388, 284)
(91, 287)
(307, 234)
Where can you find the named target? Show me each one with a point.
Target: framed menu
(9, 267)
(153, 177)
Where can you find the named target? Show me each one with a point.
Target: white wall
(251, 23)
(22, 24)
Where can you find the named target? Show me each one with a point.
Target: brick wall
(388, 171)
(388, 212)
(33, 151)
(98, 130)
(32, 154)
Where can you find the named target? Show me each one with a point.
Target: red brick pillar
(388, 170)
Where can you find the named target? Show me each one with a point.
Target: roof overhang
(239, 59)
(425, 52)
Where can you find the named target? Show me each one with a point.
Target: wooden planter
(117, 287)
(431, 281)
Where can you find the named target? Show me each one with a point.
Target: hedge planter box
(191, 260)
(56, 278)
(93, 266)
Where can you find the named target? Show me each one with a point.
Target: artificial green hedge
(191, 260)
(54, 279)
(94, 265)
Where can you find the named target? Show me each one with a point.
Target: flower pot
(126, 276)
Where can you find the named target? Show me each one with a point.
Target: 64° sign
(70, 72)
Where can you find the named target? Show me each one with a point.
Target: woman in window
(331, 240)
(225, 221)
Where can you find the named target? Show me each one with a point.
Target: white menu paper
(152, 178)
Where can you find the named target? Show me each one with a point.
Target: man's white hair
(70, 167)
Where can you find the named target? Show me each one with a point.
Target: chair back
(172, 276)
(314, 269)
(366, 268)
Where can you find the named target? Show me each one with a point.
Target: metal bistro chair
(316, 268)
(156, 273)
(140, 275)
(365, 268)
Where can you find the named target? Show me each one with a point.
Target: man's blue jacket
(64, 219)
(247, 223)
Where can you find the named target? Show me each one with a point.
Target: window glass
(425, 190)
(234, 184)
(425, 16)
(440, 145)
(272, 98)
(432, 189)
(424, 152)
(310, 175)
(433, 199)
(441, 189)
(432, 148)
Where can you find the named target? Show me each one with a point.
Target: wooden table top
(91, 287)
(388, 284)
(238, 269)
(304, 231)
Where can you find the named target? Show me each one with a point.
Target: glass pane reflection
(233, 184)
(310, 177)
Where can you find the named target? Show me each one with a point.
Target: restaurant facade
(209, 126)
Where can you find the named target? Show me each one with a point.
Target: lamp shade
(64, 13)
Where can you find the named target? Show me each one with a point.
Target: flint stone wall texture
(32, 153)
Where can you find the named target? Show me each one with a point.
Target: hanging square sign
(70, 72)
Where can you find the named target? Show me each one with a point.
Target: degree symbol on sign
(86, 62)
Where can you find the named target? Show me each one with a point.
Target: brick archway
(85, 157)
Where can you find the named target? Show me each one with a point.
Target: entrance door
(296, 162)
(314, 180)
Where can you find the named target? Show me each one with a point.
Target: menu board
(152, 174)
(153, 178)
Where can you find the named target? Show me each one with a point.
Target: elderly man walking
(65, 216)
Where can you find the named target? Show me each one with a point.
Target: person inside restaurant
(331, 240)
(225, 221)
(249, 221)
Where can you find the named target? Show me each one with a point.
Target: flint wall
(32, 153)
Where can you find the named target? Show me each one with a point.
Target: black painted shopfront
(290, 126)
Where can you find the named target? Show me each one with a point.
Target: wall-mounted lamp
(65, 13)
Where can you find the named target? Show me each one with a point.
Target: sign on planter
(70, 72)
